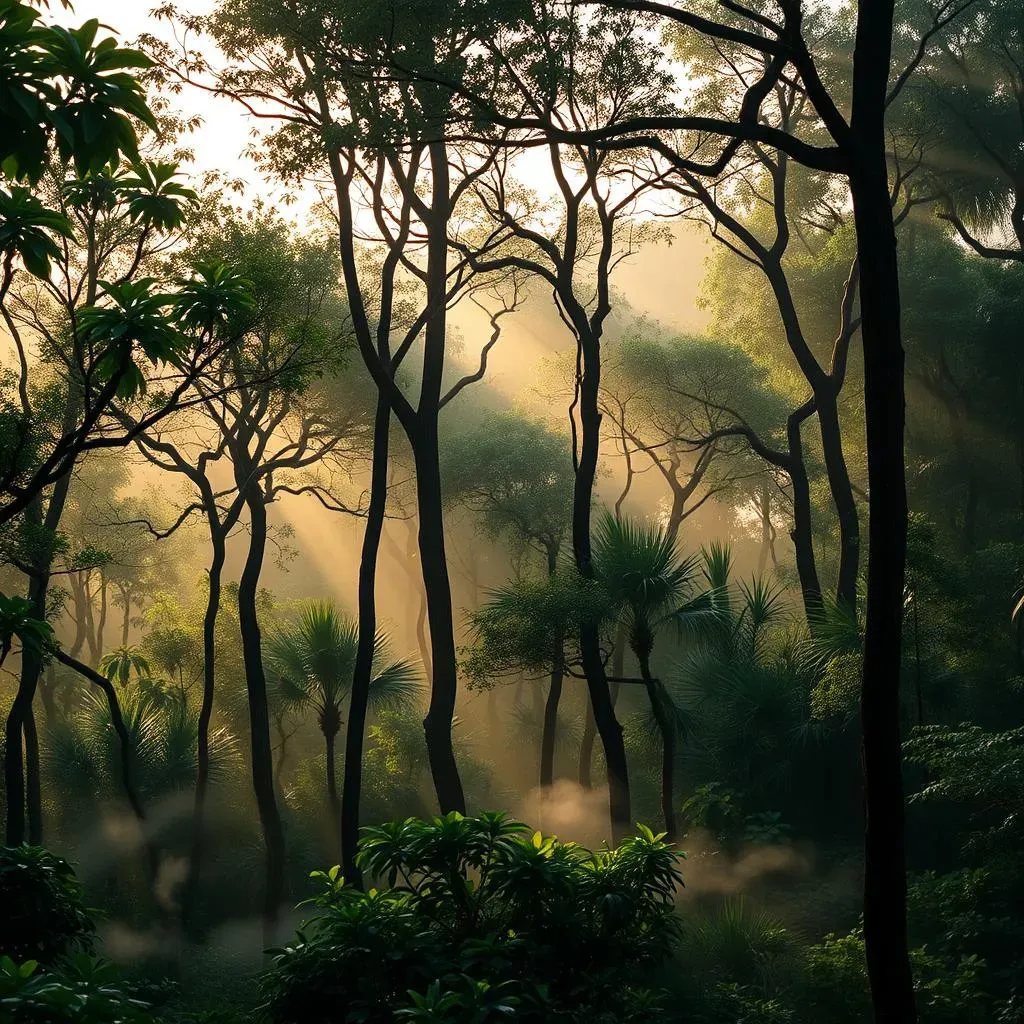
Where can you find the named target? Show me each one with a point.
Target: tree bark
(256, 686)
(802, 535)
(885, 885)
(363, 670)
(842, 496)
(333, 800)
(666, 727)
(605, 721)
(218, 543)
(548, 735)
(437, 725)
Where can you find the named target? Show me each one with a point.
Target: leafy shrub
(42, 916)
(480, 921)
(82, 991)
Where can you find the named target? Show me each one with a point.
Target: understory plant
(476, 919)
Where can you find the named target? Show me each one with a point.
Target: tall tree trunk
(885, 883)
(33, 780)
(585, 771)
(666, 727)
(333, 800)
(842, 496)
(362, 673)
(548, 734)
(47, 689)
(607, 725)
(101, 622)
(802, 533)
(764, 507)
(256, 686)
(126, 620)
(218, 544)
(437, 725)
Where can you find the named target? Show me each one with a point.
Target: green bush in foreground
(480, 921)
(42, 913)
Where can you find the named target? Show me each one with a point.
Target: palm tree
(121, 663)
(314, 658)
(649, 585)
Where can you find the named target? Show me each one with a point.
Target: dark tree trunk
(256, 686)
(437, 725)
(333, 800)
(126, 621)
(842, 496)
(764, 506)
(666, 728)
(218, 537)
(548, 735)
(33, 780)
(606, 723)
(585, 774)
(47, 689)
(101, 622)
(363, 670)
(802, 534)
(885, 884)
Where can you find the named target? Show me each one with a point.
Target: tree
(967, 101)
(663, 394)
(648, 585)
(314, 656)
(72, 101)
(88, 331)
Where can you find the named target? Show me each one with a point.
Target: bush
(42, 916)
(81, 991)
(479, 921)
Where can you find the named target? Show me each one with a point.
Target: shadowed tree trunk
(605, 721)
(885, 882)
(666, 727)
(219, 531)
(363, 670)
(256, 686)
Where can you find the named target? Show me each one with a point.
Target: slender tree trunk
(47, 689)
(842, 497)
(885, 883)
(259, 717)
(218, 539)
(585, 773)
(23, 784)
(764, 506)
(333, 800)
(33, 780)
(101, 622)
(548, 735)
(78, 597)
(437, 725)
(668, 745)
(363, 670)
(126, 620)
(802, 534)
(607, 725)
(90, 625)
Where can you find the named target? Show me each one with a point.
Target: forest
(512, 510)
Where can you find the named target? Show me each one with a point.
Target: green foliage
(479, 921)
(42, 914)
(81, 990)
(64, 87)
